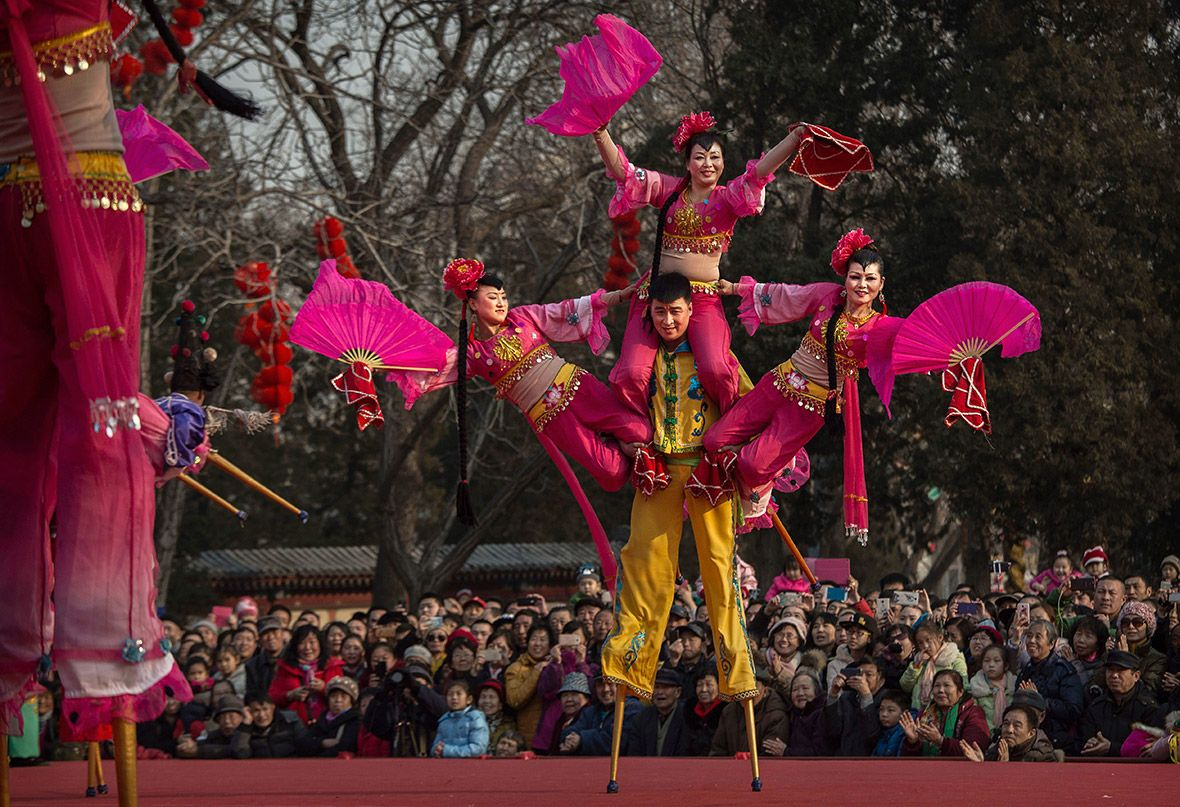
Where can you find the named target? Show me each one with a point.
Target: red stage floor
(560, 782)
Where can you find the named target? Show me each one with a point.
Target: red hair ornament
(462, 276)
(848, 244)
(691, 125)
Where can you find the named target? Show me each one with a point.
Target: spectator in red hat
(1095, 562)
(459, 663)
(473, 609)
(489, 698)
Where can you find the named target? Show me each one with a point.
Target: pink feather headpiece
(849, 243)
(690, 125)
(462, 276)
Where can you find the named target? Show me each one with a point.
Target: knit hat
(575, 682)
(462, 635)
(246, 607)
(1139, 609)
(344, 684)
(1170, 560)
(418, 653)
(795, 622)
(1094, 554)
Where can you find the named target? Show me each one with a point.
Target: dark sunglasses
(436, 637)
(1134, 621)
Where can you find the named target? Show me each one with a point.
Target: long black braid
(834, 422)
(463, 509)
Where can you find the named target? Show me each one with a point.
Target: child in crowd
(589, 581)
(229, 668)
(993, 686)
(893, 703)
(790, 580)
(1170, 574)
(462, 731)
(1095, 562)
(335, 731)
(510, 744)
(1055, 576)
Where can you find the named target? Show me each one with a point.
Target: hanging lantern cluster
(186, 17)
(624, 246)
(330, 243)
(264, 329)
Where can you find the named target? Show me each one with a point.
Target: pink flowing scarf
(856, 494)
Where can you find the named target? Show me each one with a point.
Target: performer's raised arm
(576, 320)
(777, 303)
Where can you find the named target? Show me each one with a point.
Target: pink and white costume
(786, 407)
(567, 407)
(72, 226)
(695, 237)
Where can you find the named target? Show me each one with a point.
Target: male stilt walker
(681, 413)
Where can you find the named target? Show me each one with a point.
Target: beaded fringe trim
(64, 55)
(550, 411)
(107, 415)
(102, 183)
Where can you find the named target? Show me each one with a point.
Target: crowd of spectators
(1086, 663)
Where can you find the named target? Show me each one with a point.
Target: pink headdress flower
(690, 125)
(462, 276)
(849, 243)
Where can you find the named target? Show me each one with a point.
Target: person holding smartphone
(302, 673)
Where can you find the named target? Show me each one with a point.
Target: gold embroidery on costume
(101, 180)
(508, 348)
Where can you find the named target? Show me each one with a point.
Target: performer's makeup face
(671, 319)
(490, 305)
(705, 165)
(863, 283)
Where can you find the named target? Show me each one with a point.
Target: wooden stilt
(616, 739)
(99, 779)
(786, 536)
(125, 778)
(752, 738)
(91, 769)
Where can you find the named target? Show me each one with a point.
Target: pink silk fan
(951, 332)
(361, 324)
(601, 73)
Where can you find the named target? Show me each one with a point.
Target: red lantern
(272, 311)
(125, 71)
(332, 227)
(183, 35)
(156, 57)
(253, 278)
(274, 353)
(338, 247)
(196, 5)
(276, 374)
(187, 18)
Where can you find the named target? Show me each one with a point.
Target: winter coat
(783, 583)
(984, 692)
(288, 677)
(1038, 749)
(237, 679)
(770, 720)
(702, 724)
(950, 657)
(369, 744)
(464, 734)
(260, 672)
(851, 725)
(219, 745)
(596, 724)
(548, 684)
(498, 728)
(520, 692)
(1113, 717)
(280, 739)
(806, 732)
(642, 739)
(838, 662)
(889, 743)
(1049, 581)
(1152, 666)
(1061, 688)
(971, 727)
(344, 728)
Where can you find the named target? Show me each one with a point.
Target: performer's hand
(618, 295)
(775, 746)
(726, 287)
(186, 79)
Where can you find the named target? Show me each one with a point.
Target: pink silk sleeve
(745, 195)
(778, 303)
(639, 188)
(416, 383)
(576, 320)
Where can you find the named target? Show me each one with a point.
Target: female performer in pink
(568, 408)
(695, 226)
(789, 404)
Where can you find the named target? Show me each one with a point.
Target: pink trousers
(76, 507)
(584, 431)
(708, 336)
(779, 428)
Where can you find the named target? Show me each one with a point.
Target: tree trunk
(169, 513)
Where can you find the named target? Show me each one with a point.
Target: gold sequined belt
(698, 287)
(65, 54)
(102, 182)
(846, 364)
(794, 386)
(700, 244)
(541, 353)
(557, 397)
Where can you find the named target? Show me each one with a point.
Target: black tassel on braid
(463, 509)
(835, 423)
(222, 97)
